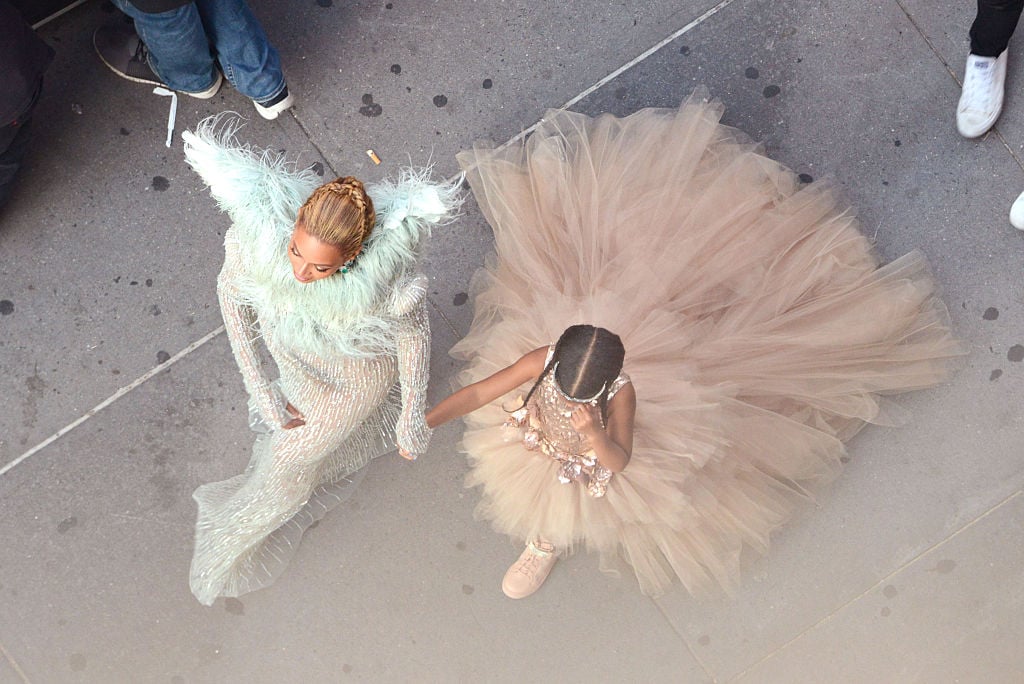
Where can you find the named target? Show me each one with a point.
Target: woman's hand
(297, 419)
(586, 421)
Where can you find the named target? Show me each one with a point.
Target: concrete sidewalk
(908, 571)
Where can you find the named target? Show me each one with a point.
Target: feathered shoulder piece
(351, 313)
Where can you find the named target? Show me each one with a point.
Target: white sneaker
(270, 110)
(209, 92)
(982, 97)
(1017, 212)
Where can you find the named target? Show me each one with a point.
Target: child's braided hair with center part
(586, 361)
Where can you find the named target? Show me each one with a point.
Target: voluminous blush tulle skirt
(760, 332)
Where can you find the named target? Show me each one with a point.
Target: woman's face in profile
(311, 258)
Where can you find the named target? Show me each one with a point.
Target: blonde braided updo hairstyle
(339, 213)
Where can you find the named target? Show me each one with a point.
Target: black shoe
(121, 49)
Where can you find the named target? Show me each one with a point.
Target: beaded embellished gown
(760, 330)
(351, 350)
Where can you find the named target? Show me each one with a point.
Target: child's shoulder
(618, 384)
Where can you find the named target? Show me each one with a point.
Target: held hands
(586, 421)
(297, 419)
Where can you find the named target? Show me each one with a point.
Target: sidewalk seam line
(14, 664)
(626, 67)
(444, 316)
(113, 397)
(934, 547)
(686, 642)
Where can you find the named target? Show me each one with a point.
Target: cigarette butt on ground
(373, 155)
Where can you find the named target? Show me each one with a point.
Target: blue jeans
(180, 43)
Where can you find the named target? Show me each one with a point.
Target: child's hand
(586, 421)
(405, 453)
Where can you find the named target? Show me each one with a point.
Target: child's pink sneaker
(529, 572)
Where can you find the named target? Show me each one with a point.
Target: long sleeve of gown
(413, 341)
(240, 323)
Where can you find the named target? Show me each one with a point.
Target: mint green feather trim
(352, 314)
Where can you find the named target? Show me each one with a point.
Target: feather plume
(352, 313)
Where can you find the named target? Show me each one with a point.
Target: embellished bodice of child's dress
(545, 425)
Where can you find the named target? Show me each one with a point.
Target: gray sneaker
(124, 53)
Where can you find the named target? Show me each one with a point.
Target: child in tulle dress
(760, 333)
(577, 417)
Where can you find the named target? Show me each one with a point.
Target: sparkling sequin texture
(546, 426)
(353, 406)
(351, 352)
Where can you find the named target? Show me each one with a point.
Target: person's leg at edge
(14, 140)
(990, 35)
(981, 100)
(245, 54)
(179, 50)
(993, 26)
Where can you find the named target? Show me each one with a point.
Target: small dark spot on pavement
(324, 3)
(370, 108)
(771, 91)
(234, 606)
(6, 307)
(704, 640)
(162, 357)
(751, 72)
(1016, 353)
(396, 68)
(467, 589)
(318, 168)
(897, 143)
(684, 49)
(160, 183)
(890, 591)
(66, 524)
(460, 298)
(991, 314)
(440, 100)
(125, 131)
(149, 282)
(488, 84)
(994, 375)
(806, 178)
